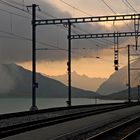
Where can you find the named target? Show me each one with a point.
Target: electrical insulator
(116, 62)
(116, 68)
(68, 63)
(68, 69)
(36, 85)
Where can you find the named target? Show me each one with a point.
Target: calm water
(8, 105)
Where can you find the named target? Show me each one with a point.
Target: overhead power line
(78, 9)
(9, 12)
(13, 6)
(44, 12)
(29, 39)
(18, 37)
(18, 7)
(113, 11)
(24, 17)
(15, 3)
(128, 4)
(10, 4)
(75, 8)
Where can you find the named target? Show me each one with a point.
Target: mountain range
(117, 82)
(15, 81)
(123, 95)
(81, 81)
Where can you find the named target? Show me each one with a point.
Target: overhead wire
(115, 13)
(78, 9)
(29, 39)
(25, 38)
(53, 47)
(22, 9)
(18, 37)
(128, 4)
(13, 6)
(9, 12)
(42, 11)
(80, 29)
(3, 2)
(15, 3)
(77, 28)
(90, 15)
(18, 8)
(72, 29)
(111, 42)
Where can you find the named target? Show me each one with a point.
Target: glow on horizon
(88, 66)
(91, 68)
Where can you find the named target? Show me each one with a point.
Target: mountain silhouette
(118, 80)
(15, 81)
(81, 81)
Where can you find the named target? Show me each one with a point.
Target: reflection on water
(8, 105)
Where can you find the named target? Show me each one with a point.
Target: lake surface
(9, 105)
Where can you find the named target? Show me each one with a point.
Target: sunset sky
(84, 61)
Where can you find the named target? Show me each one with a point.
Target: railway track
(134, 135)
(57, 110)
(23, 126)
(125, 131)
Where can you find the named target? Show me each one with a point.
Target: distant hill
(15, 81)
(122, 95)
(118, 80)
(81, 81)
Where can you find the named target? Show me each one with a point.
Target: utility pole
(34, 83)
(138, 93)
(129, 84)
(69, 64)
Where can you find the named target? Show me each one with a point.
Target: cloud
(15, 49)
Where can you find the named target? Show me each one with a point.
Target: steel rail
(50, 110)
(111, 132)
(28, 126)
(132, 135)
